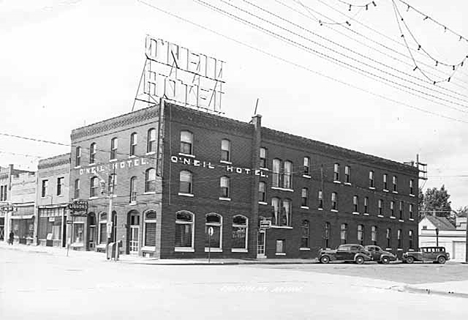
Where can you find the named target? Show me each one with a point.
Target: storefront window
(184, 230)
(239, 233)
(150, 229)
(213, 221)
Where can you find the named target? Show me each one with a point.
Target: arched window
(94, 187)
(185, 179)
(374, 235)
(77, 189)
(399, 234)
(102, 228)
(334, 201)
(287, 175)
(114, 146)
(276, 172)
(389, 238)
(150, 229)
(410, 238)
(275, 203)
(263, 158)
(286, 213)
(344, 233)
(225, 150)
(215, 222)
(306, 170)
(347, 173)
(262, 192)
(355, 204)
(184, 231)
(133, 143)
(239, 234)
(151, 141)
(225, 184)
(305, 234)
(186, 142)
(371, 179)
(336, 172)
(320, 199)
(150, 180)
(360, 234)
(133, 192)
(92, 153)
(77, 156)
(305, 198)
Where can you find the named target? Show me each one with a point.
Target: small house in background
(438, 231)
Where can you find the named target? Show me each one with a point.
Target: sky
(69, 63)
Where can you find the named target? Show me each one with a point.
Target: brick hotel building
(174, 175)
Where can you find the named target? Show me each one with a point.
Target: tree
(435, 201)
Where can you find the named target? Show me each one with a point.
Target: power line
(301, 66)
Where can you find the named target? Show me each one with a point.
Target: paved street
(51, 286)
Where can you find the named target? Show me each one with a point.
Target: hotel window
(371, 179)
(281, 212)
(395, 189)
(410, 238)
(184, 230)
(280, 246)
(114, 146)
(112, 183)
(306, 170)
(287, 175)
(225, 187)
(103, 228)
(392, 208)
(305, 234)
(347, 173)
(185, 179)
(389, 238)
(133, 143)
(186, 142)
(151, 141)
(78, 156)
(94, 186)
(326, 234)
(263, 158)
(399, 238)
(320, 199)
(77, 189)
(411, 187)
(262, 192)
(150, 229)
(380, 207)
(214, 221)
(401, 210)
(385, 183)
(366, 205)
(305, 197)
(225, 150)
(411, 211)
(45, 186)
(336, 172)
(239, 233)
(59, 185)
(360, 234)
(150, 180)
(374, 235)
(92, 153)
(276, 172)
(355, 204)
(286, 213)
(133, 192)
(344, 233)
(275, 203)
(334, 201)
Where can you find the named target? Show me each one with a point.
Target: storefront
(52, 226)
(22, 224)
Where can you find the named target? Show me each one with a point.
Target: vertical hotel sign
(181, 75)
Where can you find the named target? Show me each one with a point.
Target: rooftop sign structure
(180, 75)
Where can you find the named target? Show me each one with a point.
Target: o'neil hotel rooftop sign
(182, 75)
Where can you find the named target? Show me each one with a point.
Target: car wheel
(410, 260)
(325, 259)
(441, 260)
(359, 260)
(385, 260)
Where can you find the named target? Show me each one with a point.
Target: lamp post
(437, 236)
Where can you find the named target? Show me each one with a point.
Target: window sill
(306, 176)
(400, 220)
(93, 198)
(399, 249)
(186, 155)
(303, 207)
(336, 181)
(282, 189)
(380, 216)
(132, 156)
(112, 160)
(304, 249)
(411, 219)
(385, 190)
(366, 214)
(77, 167)
(133, 203)
(347, 183)
(356, 213)
(395, 192)
(214, 249)
(410, 249)
(392, 217)
(281, 227)
(263, 203)
(224, 199)
(280, 253)
(185, 194)
(150, 192)
(334, 210)
(225, 161)
(412, 195)
(150, 249)
(184, 249)
(321, 209)
(239, 250)
(388, 249)
(152, 152)
(372, 188)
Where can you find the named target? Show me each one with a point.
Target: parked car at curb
(345, 252)
(380, 255)
(432, 254)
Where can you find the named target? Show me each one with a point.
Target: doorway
(134, 233)
(261, 244)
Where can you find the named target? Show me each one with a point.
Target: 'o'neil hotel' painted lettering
(130, 163)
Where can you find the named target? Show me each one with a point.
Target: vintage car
(432, 254)
(345, 252)
(380, 255)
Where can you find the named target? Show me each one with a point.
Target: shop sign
(79, 205)
(118, 165)
(228, 168)
(8, 208)
(265, 224)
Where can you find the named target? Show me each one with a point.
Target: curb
(410, 289)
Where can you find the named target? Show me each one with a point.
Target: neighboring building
(23, 196)
(439, 231)
(53, 197)
(6, 176)
(220, 177)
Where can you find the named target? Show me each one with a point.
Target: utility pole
(110, 194)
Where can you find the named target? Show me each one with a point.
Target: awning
(29, 216)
